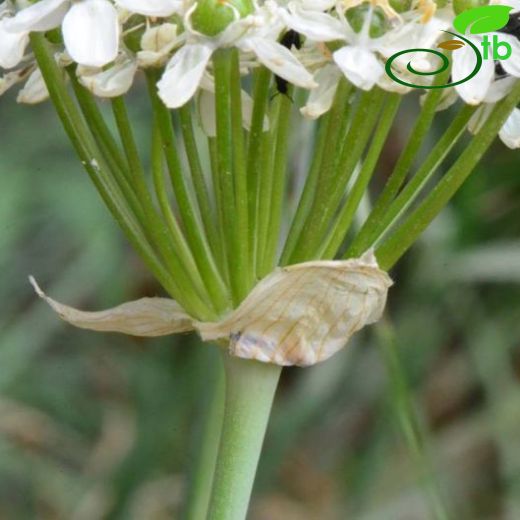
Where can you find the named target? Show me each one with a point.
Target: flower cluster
(111, 40)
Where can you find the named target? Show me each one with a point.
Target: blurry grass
(103, 426)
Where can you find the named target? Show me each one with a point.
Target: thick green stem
(250, 389)
(207, 443)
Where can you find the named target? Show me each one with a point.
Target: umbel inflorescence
(233, 77)
(110, 41)
(269, 210)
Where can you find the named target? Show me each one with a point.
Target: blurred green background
(419, 417)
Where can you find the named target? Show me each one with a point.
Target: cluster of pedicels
(111, 40)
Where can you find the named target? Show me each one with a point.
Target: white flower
(256, 34)
(34, 91)
(156, 44)
(116, 80)
(483, 87)
(183, 74)
(361, 59)
(12, 46)
(90, 27)
(473, 91)
(321, 98)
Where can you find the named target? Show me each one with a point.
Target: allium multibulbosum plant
(269, 257)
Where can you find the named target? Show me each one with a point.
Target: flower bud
(356, 16)
(212, 16)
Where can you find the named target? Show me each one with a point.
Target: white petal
(473, 91)
(151, 7)
(34, 90)
(145, 317)
(359, 65)
(304, 313)
(500, 88)
(321, 98)
(386, 83)
(281, 61)
(12, 46)
(156, 38)
(40, 16)
(206, 108)
(317, 26)
(510, 132)
(157, 43)
(112, 82)
(183, 75)
(512, 64)
(318, 5)
(91, 32)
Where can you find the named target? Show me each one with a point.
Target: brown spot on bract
(451, 45)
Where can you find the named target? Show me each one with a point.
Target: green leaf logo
(487, 18)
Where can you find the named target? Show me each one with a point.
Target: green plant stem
(96, 122)
(179, 243)
(334, 139)
(279, 180)
(203, 469)
(262, 80)
(267, 160)
(132, 184)
(238, 271)
(250, 390)
(408, 232)
(416, 139)
(177, 255)
(412, 190)
(190, 218)
(86, 149)
(329, 195)
(108, 148)
(199, 183)
(344, 220)
(306, 198)
(240, 176)
(217, 192)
